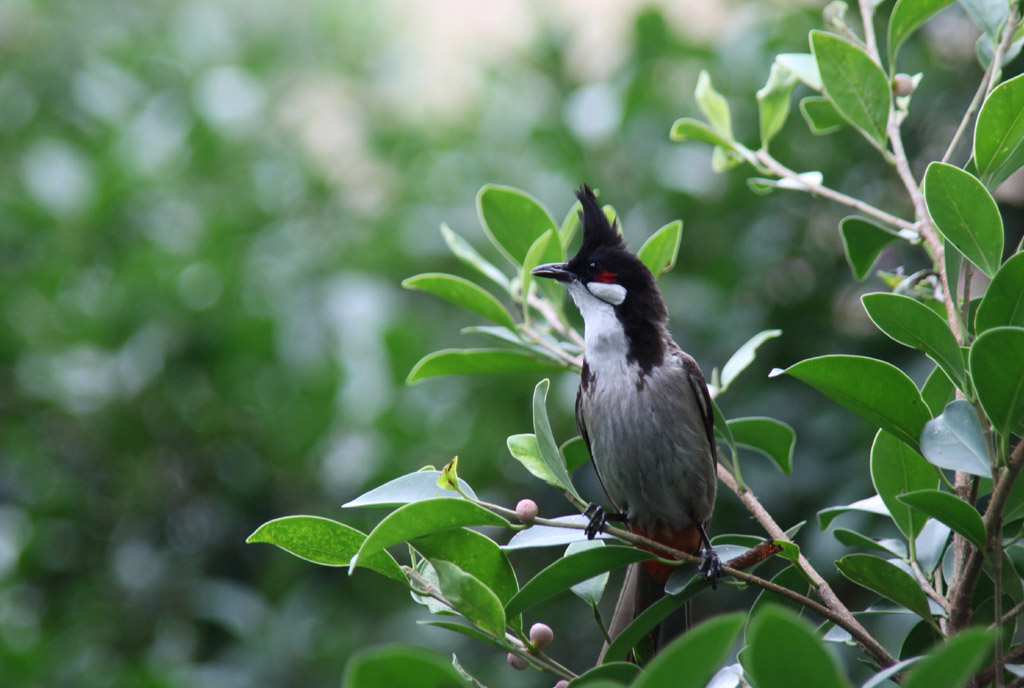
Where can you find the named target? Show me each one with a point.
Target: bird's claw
(710, 567)
(598, 519)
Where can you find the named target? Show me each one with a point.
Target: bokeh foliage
(205, 216)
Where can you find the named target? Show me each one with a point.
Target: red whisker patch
(606, 276)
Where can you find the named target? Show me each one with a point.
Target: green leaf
(413, 487)
(773, 101)
(1004, 300)
(966, 214)
(906, 18)
(570, 225)
(573, 569)
(851, 538)
(474, 553)
(805, 180)
(550, 536)
(623, 673)
(989, 15)
(513, 220)
(714, 106)
(951, 510)
(953, 662)
(524, 449)
(790, 578)
(854, 83)
(914, 324)
(547, 249)
(323, 541)
(463, 629)
(465, 252)
(592, 589)
(997, 368)
(645, 622)
(783, 651)
(804, 66)
(574, 453)
(870, 505)
(401, 665)
(821, 115)
(546, 440)
(722, 428)
(463, 293)
(688, 128)
(937, 391)
(478, 362)
(999, 133)
(660, 250)
(471, 597)
(897, 469)
(423, 518)
(768, 436)
(863, 241)
(954, 440)
(692, 659)
(875, 390)
(886, 579)
(744, 356)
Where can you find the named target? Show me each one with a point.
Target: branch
(837, 611)
(867, 16)
(986, 675)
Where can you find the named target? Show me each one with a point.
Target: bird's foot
(710, 567)
(599, 519)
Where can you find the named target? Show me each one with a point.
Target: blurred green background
(206, 209)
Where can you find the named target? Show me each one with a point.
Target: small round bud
(526, 511)
(541, 635)
(562, 684)
(516, 662)
(902, 85)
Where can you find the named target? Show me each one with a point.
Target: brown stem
(1013, 655)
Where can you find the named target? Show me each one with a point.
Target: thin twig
(867, 15)
(780, 170)
(927, 586)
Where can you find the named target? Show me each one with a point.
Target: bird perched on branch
(643, 410)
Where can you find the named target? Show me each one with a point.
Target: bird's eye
(593, 265)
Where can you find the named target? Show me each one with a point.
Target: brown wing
(700, 391)
(581, 425)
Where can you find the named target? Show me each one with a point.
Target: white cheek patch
(609, 293)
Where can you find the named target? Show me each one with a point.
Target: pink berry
(562, 684)
(516, 662)
(541, 635)
(902, 85)
(526, 511)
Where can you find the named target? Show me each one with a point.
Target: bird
(644, 412)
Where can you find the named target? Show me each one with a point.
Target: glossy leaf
(854, 83)
(997, 368)
(525, 450)
(863, 241)
(574, 453)
(906, 18)
(999, 133)
(804, 66)
(550, 536)
(886, 579)
(951, 510)
(570, 225)
(871, 505)
(966, 214)
(937, 391)
(478, 362)
(470, 597)
(875, 390)
(660, 250)
(989, 15)
(897, 469)
(604, 675)
(323, 541)
(767, 436)
(692, 659)
(546, 440)
(592, 589)
(474, 553)
(852, 538)
(1004, 300)
(401, 665)
(744, 356)
(463, 293)
(773, 101)
(573, 569)
(423, 518)
(547, 249)
(465, 252)
(914, 324)
(820, 115)
(413, 487)
(783, 651)
(462, 629)
(954, 440)
(953, 662)
(513, 220)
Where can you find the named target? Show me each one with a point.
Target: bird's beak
(556, 271)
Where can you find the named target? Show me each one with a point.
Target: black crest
(597, 231)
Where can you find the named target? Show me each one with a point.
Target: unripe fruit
(562, 684)
(516, 662)
(526, 511)
(902, 85)
(541, 635)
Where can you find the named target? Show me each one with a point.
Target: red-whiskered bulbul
(643, 410)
